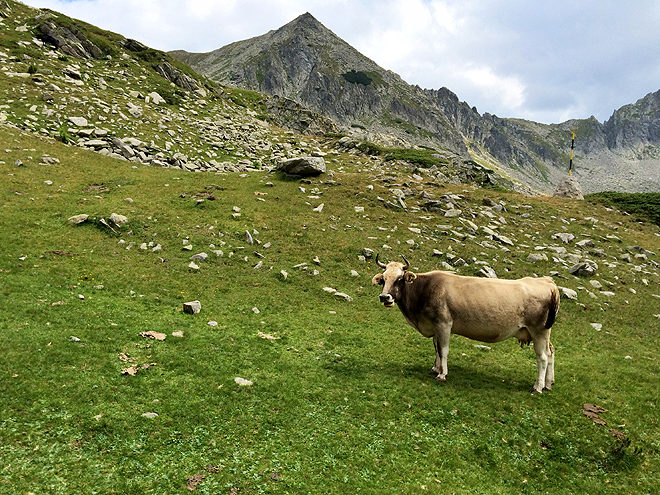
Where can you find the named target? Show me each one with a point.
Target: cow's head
(393, 280)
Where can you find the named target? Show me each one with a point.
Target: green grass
(646, 205)
(341, 402)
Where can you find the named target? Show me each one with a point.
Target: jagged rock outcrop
(298, 118)
(68, 39)
(171, 73)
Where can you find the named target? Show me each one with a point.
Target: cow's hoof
(547, 387)
(534, 391)
(440, 378)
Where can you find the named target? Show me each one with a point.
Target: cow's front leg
(441, 343)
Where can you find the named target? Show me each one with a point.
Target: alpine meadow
(131, 186)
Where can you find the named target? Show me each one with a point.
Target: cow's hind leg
(441, 343)
(550, 371)
(544, 356)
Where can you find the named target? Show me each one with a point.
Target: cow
(439, 303)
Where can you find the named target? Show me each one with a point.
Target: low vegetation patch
(646, 205)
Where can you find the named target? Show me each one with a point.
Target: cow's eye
(381, 281)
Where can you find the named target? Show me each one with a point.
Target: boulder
(192, 307)
(304, 166)
(584, 269)
(569, 187)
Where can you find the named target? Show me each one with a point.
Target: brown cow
(440, 303)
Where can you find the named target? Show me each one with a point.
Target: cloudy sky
(543, 60)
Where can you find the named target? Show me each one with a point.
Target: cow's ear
(378, 279)
(409, 277)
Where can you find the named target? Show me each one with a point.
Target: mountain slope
(306, 62)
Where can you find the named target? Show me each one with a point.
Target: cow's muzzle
(387, 300)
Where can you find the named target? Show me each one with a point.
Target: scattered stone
(536, 257)
(488, 272)
(284, 274)
(78, 121)
(150, 415)
(584, 269)
(568, 293)
(193, 265)
(256, 311)
(242, 382)
(354, 273)
(78, 219)
(585, 243)
(330, 290)
(565, 237)
(118, 219)
(153, 335)
(248, 238)
(345, 297)
(199, 257)
(597, 326)
(482, 347)
(177, 333)
(192, 307)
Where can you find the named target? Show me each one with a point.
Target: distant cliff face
(307, 63)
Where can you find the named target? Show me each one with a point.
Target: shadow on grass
(459, 377)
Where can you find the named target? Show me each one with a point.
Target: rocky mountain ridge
(306, 62)
(67, 80)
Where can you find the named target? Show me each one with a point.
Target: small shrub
(64, 136)
(357, 78)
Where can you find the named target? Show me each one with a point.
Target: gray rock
(569, 187)
(248, 238)
(565, 237)
(78, 219)
(199, 257)
(345, 297)
(488, 272)
(304, 166)
(78, 121)
(585, 243)
(453, 213)
(192, 307)
(177, 77)
(118, 219)
(536, 257)
(568, 293)
(156, 99)
(367, 253)
(584, 269)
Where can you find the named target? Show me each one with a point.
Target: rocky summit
(305, 62)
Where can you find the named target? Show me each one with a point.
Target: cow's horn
(380, 264)
(407, 265)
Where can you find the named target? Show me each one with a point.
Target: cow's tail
(553, 307)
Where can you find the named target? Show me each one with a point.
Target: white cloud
(507, 90)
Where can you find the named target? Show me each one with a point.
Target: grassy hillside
(340, 400)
